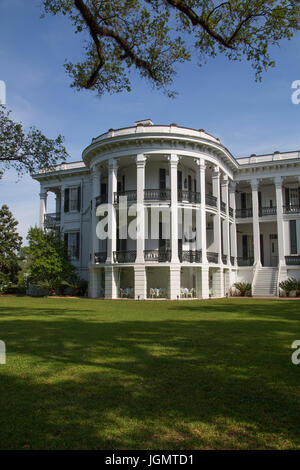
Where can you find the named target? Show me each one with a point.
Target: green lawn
(88, 374)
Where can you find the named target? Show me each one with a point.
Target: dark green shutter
(77, 244)
(67, 200)
(293, 237)
(287, 197)
(79, 198)
(162, 178)
(66, 239)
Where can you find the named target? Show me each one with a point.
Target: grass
(88, 374)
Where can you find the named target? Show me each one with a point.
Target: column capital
(173, 159)
(112, 164)
(278, 181)
(201, 164)
(254, 184)
(216, 171)
(225, 180)
(232, 186)
(140, 159)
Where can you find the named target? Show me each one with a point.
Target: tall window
(72, 240)
(72, 199)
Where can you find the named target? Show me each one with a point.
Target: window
(72, 199)
(162, 178)
(72, 241)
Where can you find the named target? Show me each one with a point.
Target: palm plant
(243, 288)
(289, 285)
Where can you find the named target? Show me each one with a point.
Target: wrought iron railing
(189, 196)
(124, 256)
(52, 220)
(291, 209)
(267, 211)
(157, 194)
(223, 206)
(245, 261)
(130, 195)
(224, 259)
(160, 256)
(102, 199)
(232, 260)
(231, 212)
(100, 257)
(292, 260)
(212, 257)
(210, 200)
(190, 256)
(244, 213)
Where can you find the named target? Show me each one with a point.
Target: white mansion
(245, 214)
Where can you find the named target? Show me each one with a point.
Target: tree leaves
(27, 151)
(155, 35)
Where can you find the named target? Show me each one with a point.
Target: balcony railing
(102, 199)
(210, 200)
(224, 259)
(232, 260)
(245, 261)
(291, 209)
(52, 220)
(190, 256)
(267, 211)
(292, 260)
(159, 256)
(212, 257)
(223, 206)
(189, 196)
(130, 195)
(100, 257)
(157, 194)
(124, 256)
(244, 213)
(231, 212)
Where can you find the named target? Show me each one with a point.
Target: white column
(226, 237)
(95, 193)
(140, 283)
(140, 186)
(174, 285)
(43, 206)
(110, 282)
(256, 230)
(217, 217)
(205, 282)
(174, 207)
(112, 222)
(280, 226)
(94, 282)
(201, 209)
(232, 203)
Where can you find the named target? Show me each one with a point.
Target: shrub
(289, 285)
(243, 287)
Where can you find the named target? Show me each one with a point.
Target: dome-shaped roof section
(145, 129)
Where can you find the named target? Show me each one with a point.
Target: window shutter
(293, 237)
(162, 178)
(79, 198)
(245, 246)
(66, 239)
(287, 197)
(243, 201)
(77, 245)
(67, 200)
(179, 180)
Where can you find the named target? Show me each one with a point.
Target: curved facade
(167, 212)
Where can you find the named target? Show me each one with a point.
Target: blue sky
(221, 97)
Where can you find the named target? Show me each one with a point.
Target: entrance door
(273, 250)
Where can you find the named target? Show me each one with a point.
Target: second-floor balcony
(52, 220)
(292, 209)
(130, 196)
(292, 260)
(157, 194)
(162, 255)
(190, 256)
(210, 200)
(188, 196)
(244, 213)
(245, 261)
(124, 256)
(265, 211)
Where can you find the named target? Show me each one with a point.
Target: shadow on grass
(223, 379)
